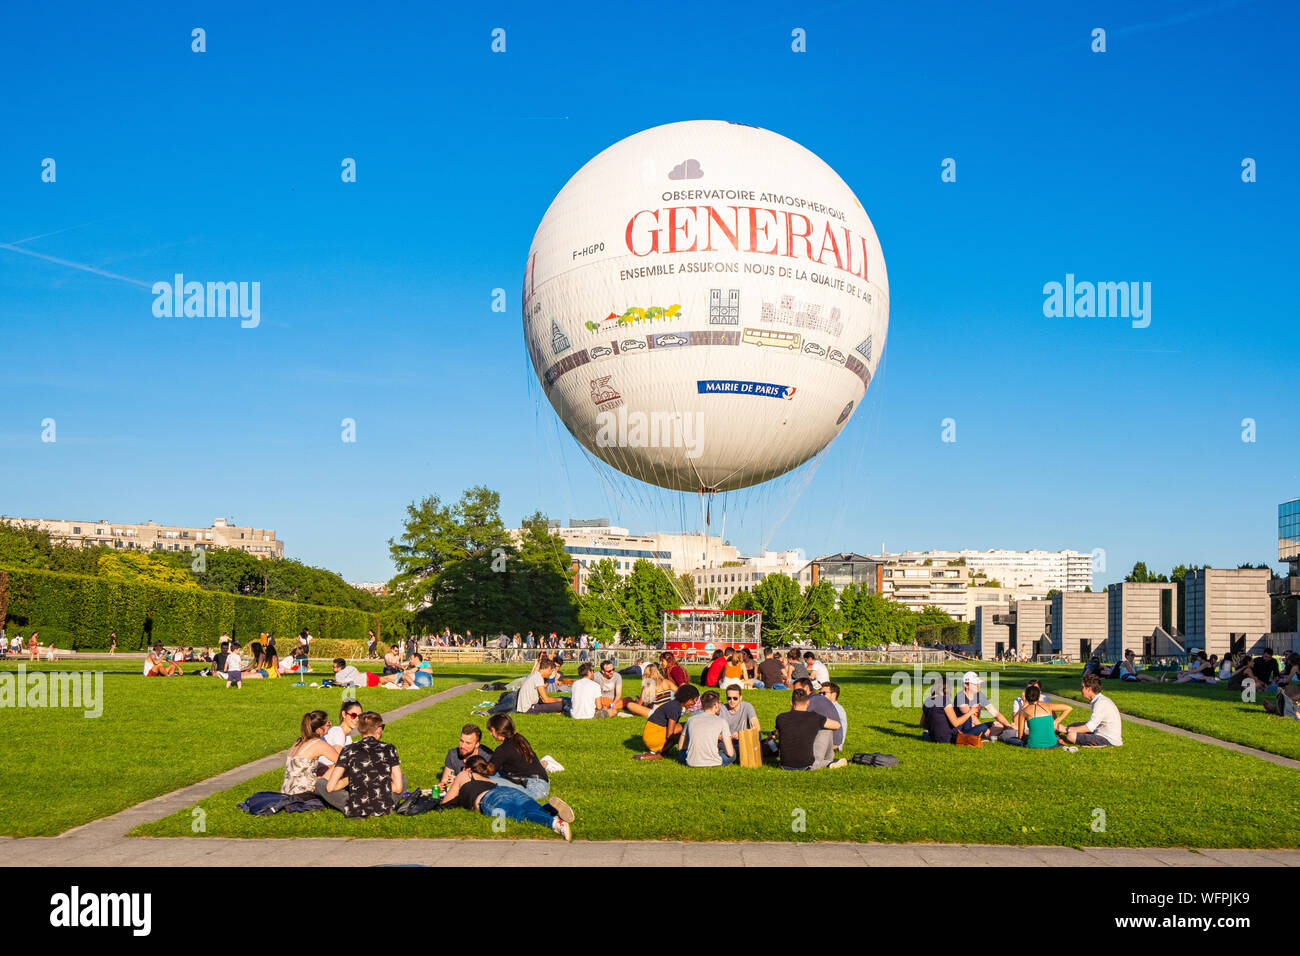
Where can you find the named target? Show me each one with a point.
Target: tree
(135, 566)
(600, 609)
(647, 591)
(742, 600)
(686, 587)
(780, 600)
(821, 614)
(436, 536)
(541, 597)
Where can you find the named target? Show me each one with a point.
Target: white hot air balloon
(705, 304)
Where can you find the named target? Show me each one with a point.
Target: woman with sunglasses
(300, 763)
(342, 733)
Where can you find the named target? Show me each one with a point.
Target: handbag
(751, 754)
(969, 740)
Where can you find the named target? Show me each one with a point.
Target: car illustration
(600, 351)
(812, 348)
(837, 356)
(671, 339)
(628, 345)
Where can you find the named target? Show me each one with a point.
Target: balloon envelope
(705, 304)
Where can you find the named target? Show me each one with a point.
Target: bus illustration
(773, 337)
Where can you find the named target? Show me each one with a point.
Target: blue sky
(376, 295)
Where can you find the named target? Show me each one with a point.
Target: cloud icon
(689, 169)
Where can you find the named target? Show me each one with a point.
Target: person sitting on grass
(663, 728)
(1102, 729)
(1037, 721)
(773, 671)
(255, 668)
(611, 687)
(796, 668)
(819, 704)
(939, 718)
(341, 734)
(1243, 676)
(817, 671)
(533, 698)
(713, 673)
(515, 763)
(311, 747)
(345, 675)
(831, 691)
(1128, 670)
(415, 673)
(473, 789)
(470, 743)
(672, 669)
(706, 740)
(656, 690)
(733, 674)
(803, 737)
(1266, 669)
(970, 700)
(157, 665)
(739, 714)
(367, 777)
(1199, 670)
(584, 696)
(392, 662)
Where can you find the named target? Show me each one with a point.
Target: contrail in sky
(76, 265)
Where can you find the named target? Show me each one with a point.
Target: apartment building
(151, 536)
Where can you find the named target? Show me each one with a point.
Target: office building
(1079, 624)
(1227, 611)
(1141, 618)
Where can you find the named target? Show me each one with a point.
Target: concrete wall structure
(1078, 624)
(1135, 612)
(1221, 604)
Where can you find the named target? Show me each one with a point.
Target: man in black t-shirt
(772, 671)
(1265, 668)
(469, 744)
(368, 775)
(796, 735)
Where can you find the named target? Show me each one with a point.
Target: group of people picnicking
(704, 727)
(1037, 721)
(230, 662)
(350, 767)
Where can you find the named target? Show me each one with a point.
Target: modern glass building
(1288, 531)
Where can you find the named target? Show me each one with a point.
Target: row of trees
(218, 569)
(459, 568)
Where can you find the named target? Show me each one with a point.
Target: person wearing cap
(969, 701)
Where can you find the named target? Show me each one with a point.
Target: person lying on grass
(1038, 721)
(663, 728)
(473, 789)
(1102, 729)
(300, 765)
(367, 778)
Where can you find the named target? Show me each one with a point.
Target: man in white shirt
(1103, 727)
(583, 696)
(817, 671)
(345, 675)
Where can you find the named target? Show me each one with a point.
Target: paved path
(104, 842)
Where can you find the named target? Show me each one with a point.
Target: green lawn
(1158, 790)
(154, 736)
(1210, 709)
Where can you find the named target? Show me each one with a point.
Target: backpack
(876, 760)
(414, 804)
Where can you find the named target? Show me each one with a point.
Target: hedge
(80, 611)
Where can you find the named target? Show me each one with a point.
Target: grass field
(1158, 790)
(154, 736)
(1205, 708)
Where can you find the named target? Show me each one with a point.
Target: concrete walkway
(105, 842)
